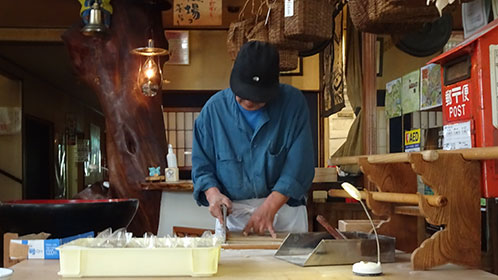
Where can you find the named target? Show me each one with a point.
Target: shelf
(180, 186)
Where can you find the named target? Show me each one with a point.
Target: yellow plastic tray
(78, 261)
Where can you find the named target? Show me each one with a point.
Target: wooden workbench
(260, 264)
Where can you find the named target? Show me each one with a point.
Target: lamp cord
(375, 231)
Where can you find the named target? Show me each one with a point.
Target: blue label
(49, 246)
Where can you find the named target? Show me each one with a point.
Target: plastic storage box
(78, 261)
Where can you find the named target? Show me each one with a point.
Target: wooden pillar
(369, 101)
(135, 132)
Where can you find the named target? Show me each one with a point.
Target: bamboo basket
(311, 21)
(237, 31)
(391, 16)
(276, 29)
(288, 59)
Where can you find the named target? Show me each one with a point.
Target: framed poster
(178, 46)
(197, 12)
(430, 86)
(410, 94)
(393, 98)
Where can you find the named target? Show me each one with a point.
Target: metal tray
(319, 248)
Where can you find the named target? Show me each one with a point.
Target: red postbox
(469, 79)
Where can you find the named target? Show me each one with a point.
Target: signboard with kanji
(456, 103)
(197, 12)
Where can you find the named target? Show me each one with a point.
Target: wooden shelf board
(180, 186)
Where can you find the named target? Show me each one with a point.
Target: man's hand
(216, 199)
(262, 219)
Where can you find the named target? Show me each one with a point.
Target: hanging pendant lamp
(150, 75)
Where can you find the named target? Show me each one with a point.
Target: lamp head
(351, 190)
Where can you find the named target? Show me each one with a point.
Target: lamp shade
(351, 190)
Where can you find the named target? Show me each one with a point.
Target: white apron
(287, 219)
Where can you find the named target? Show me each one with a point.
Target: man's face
(249, 105)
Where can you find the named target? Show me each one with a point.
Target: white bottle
(171, 157)
(171, 173)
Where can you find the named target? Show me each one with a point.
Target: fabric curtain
(353, 145)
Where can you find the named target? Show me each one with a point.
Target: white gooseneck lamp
(363, 268)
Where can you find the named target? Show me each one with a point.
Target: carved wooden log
(134, 123)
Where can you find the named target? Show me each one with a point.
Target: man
(253, 150)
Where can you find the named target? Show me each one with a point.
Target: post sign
(456, 103)
(412, 140)
(469, 78)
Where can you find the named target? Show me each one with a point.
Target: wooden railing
(455, 178)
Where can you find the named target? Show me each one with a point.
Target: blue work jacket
(245, 163)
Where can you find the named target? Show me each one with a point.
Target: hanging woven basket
(236, 36)
(390, 16)
(288, 59)
(237, 32)
(311, 21)
(276, 29)
(258, 32)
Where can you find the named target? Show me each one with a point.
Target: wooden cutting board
(236, 240)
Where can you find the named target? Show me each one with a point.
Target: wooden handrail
(404, 198)
(481, 153)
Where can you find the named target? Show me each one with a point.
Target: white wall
(180, 209)
(210, 66)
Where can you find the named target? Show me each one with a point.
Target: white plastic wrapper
(108, 239)
(123, 239)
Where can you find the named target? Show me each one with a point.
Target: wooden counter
(260, 264)
(322, 175)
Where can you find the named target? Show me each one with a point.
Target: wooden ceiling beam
(31, 34)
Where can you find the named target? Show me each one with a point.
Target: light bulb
(150, 77)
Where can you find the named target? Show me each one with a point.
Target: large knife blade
(224, 210)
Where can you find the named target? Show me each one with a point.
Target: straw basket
(236, 36)
(258, 32)
(276, 29)
(390, 16)
(237, 32)
(288, 59)
(311, 21)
